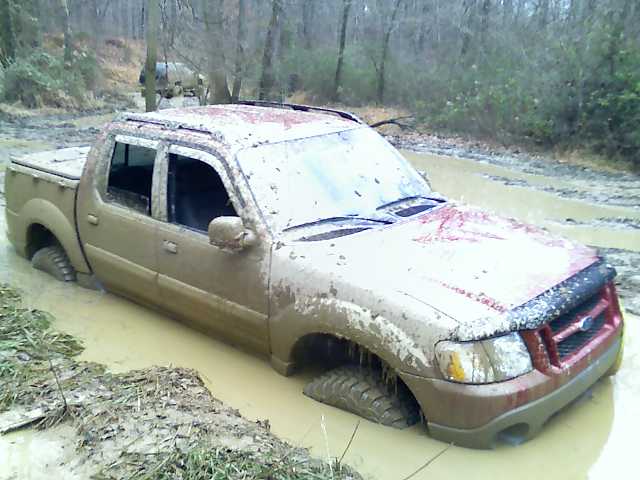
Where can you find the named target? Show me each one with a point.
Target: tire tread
(362, 391)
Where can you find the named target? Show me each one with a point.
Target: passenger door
(221, 292)
(115, 218)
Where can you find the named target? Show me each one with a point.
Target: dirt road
(594, 437)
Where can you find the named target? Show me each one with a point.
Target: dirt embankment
(155, 423)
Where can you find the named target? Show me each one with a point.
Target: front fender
(47, 214)
(346, 320)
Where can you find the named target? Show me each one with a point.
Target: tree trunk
(385, 49)
(214, 26)
(543, 7)
(507, 11)
(469, 11)
(337, 83)
(421, 37)
(240, 41)
(152, 55)
(616, 19)
(484, 21)
(267, 79)
(308, 8)
(66, 27)
(8, 42)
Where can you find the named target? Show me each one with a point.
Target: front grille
(563, 321)
(577, 340)
(567, 334)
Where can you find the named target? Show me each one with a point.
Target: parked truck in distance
(174, 79)
(301, 234)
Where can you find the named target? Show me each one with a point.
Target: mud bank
(157, 422)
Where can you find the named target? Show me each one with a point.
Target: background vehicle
(306, 237)
(174, 79)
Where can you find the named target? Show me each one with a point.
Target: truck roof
(248, 125)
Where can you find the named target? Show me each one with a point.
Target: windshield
(348, 173)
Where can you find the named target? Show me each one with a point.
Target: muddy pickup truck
(301, 234)
(174, 79)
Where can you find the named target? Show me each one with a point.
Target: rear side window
(131, 177)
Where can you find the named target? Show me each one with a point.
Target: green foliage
(558, 91)
(41, 79)
(611, 115)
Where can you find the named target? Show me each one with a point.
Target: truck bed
(65, 162)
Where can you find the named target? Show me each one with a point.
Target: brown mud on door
(220, 291)
(115, 220)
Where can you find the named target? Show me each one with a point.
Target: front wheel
(362, 391)
(54, 261)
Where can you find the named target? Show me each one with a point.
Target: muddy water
(594, 438)
(469, 181)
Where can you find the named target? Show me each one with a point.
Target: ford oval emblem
(586, 323)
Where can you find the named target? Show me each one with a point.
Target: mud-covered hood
(470, 265)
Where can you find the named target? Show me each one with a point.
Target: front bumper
(451, 407)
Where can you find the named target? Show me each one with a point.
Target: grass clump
(211, 463)
(27, 346)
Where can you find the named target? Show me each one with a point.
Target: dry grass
(121, 61)
(27, 345)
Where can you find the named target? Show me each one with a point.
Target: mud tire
(362, 391)
(54, 261)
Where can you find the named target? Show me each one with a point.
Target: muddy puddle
(593, 438)
(482, 184)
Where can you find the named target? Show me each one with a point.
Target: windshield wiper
(338, 219)
(406, 199)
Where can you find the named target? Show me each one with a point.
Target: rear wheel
(54, 261)
(362, 391)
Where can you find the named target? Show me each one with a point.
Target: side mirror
(229, 233)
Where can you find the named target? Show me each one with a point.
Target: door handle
(92, 219)
(170, 247)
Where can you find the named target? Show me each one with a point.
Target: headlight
(492, 360)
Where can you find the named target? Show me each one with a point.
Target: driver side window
(195, 193)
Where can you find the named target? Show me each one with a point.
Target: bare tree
(484, 21)
(153, 20)
(213, 12)
(337, 83)
(8, 41)
(267, 79)
(507, 11)
(66, 27)
(543, 12)
(385, 50)
(308, 9)
(468, 20)
(241, 38)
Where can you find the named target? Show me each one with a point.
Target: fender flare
(348, 321)
(43, 212)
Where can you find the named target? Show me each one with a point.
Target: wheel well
(319, 351)
(39, 237)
